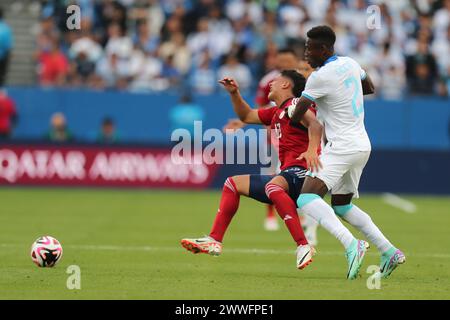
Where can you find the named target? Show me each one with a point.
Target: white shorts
(341, 172)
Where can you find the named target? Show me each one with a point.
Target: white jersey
(337, 91)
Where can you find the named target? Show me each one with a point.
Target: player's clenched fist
(229, 84)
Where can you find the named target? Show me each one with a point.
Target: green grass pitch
(126, 243)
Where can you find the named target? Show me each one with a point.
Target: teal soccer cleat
(355, 255)
(390, 260)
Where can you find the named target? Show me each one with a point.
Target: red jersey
(262, 93)
(7, 111)
(292, 139)
(52, 66)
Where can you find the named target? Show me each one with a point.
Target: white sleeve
(315, 87)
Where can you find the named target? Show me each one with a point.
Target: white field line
(399, 203)
(226, 250)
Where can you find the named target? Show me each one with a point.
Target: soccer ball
(46, 251)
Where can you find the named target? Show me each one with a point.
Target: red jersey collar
(284, 102)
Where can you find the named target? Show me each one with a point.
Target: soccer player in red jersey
(282, 189)
(285, 59)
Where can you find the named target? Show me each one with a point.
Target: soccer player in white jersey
(337, 87)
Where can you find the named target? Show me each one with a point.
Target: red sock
(229, 204)
(270, 211)
(287, 210)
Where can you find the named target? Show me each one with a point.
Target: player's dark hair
(1, 13)
(297, 79)
(323, 34)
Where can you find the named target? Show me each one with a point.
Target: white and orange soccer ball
(46, 251)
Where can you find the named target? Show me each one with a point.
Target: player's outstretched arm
(367, 85)
(242, 109)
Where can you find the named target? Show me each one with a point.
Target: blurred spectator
(113, 72)
(268, 34)
(441, 50)
(146, 72)
(118, 43)
(6, 43)
(392, 82)
(53, 66)
(107, 133)
(170, 72)
(58, 129)
(236, 70)
(82, 69)
(88, 45)
(391, 70)
(441, 20)
(177, 48)
(183, 115)
(174, 35)
(152, 12)
(285, 59)
(421, 71)
(203, 77)
(8, 115)
(237, 10)
(217, 42)
(145, 39)
(305, 69)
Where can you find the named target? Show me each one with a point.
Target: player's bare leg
(311, 203)
(391, 257)
(276, 191)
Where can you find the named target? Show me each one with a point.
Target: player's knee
(270, 188)
(341, 199)
(230, 185)
(314, 186)
(235, 184)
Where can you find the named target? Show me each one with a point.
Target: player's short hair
(323, 34)
(297, 79)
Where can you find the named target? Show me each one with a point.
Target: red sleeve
(266, 114)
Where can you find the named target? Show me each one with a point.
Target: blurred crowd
(157, 45)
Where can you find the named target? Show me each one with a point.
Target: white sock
(310, 222)
(362, 221)
(310, 225)
(317, 208)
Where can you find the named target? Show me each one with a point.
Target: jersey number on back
(358, 106)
